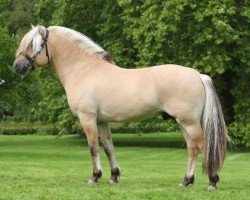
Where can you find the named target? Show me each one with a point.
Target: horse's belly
(131, 107)
(126, 114)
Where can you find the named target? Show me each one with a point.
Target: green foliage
(110, 30)
(50, 12)
(156, 124)
(211, 36)
(17, 15)
(25, 92)
(24, 128)
(7, 51)
(240, 128)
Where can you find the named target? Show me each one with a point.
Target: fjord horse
(99, 92)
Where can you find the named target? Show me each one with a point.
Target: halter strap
(31, 59)
(45, 40)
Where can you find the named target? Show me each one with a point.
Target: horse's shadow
(152, 143)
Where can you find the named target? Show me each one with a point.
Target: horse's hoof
(182, 185)
(210, 187)
(91, 182)
(112, 182)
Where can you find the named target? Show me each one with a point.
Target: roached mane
(85, 43)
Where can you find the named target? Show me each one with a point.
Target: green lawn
(47, 167)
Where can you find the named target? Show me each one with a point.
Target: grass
(47, 167)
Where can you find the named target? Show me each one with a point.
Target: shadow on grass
(133, 140)
(239, 149)
(152, 144)
(120, 140)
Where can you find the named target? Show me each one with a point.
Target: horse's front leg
(90, 128)
(106, 138)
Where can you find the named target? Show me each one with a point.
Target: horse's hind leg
(90, 129)
(106, 138)
(194, 138)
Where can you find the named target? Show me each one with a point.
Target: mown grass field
(47, 167)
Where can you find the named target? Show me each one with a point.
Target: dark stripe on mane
(105, 56)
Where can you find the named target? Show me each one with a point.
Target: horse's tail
(215, 131)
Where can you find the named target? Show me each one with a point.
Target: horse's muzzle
(21, 67)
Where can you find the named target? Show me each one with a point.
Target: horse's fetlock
(115, 172)
(213, 180)
(188, 180)
(97, 174)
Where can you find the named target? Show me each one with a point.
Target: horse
(99, 92)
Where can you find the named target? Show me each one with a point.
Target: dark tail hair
(215, 130)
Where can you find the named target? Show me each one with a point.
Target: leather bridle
(31, 59)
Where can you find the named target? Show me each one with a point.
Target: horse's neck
(68, 61)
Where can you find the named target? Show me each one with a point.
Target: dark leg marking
(96, 176)
(115, 173)
(96, 172)
(213, 180)
(188, 180)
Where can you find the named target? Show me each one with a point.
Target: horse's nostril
(15, 66)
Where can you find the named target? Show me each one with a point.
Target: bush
(10, 128)
(16, 129)
(150, 125)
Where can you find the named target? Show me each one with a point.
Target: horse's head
(33, 50)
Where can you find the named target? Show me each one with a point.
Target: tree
(7, 45)
(210, 36)
(25, 92)
(20, 15)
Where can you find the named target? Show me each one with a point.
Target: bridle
(31, 59)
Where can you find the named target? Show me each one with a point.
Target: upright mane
(82, 41)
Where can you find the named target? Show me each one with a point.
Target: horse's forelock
(33, 37)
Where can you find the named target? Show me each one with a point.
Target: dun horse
(100, 92)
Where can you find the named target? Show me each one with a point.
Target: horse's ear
(42, 30)
(32, 26)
